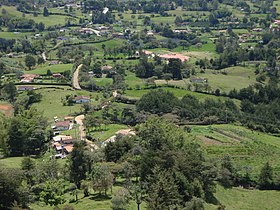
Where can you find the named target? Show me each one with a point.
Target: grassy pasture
(48, 21)
(177, 92)
(12, 35)
(51, 104)
(59, 68)
(106, 131)
(243, 199)
(237, 77)
(11, 162)
(248, 148)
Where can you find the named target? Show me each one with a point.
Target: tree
(46, 12)
(10, 180)
(163, 191)
(30, 61)
(157, 102)
(174, 67)
(115, 150)
(167, 77)
(9, 92)
(27, 164)
(2, 68)
(40, 61)
(194, 204)
(52, 193)
(227, 173)
(102, 178)
(266, 177)
(78, 164)
(120, 200)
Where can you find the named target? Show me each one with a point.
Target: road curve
(79, 120)
(75, 79)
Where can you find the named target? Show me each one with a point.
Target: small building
(82, 99)
(199, 80)
(57, 75)
(67, 149)
(62, 126)
(23, 88)
(27, 78)
(106, 69)
(54, 62)
(67, 140)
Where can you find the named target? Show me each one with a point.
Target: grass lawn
(59, 68)
(103, 81)
(11, 162)
(132, 81)
(243, 199)
(51, 104)
(237, 77)
(48, 21)
(106, 131)
(12, 35)
(177, 92)
(92, 202)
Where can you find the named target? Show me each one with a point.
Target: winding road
(75, 79)
(79, 119)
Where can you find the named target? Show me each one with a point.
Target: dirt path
(44, 56)
(79, 119)
(75, 80)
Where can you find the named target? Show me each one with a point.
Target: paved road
(75, 80)
(79, 119)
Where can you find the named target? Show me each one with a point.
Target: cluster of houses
(62, 144)
(28, 78)
(98, 30)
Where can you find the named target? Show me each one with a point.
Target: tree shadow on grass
(212, 199)
(100, 197)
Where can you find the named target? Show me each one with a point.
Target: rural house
(199, 80)
(23, 88)
(82, 99)
(62, 126)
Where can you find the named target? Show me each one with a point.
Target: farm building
(57, 75)
(199, 80)
(82, 99)
(62, 125)
(27, 78)
(23, 88)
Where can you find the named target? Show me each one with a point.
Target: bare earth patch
(209, 142)
(7, 109)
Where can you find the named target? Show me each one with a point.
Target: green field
(177, 92)
(59, 68)
(247, 148)
(107, 131)
(242, 199)
(48, 21)
(11, 162)
(51, 104)
(235, 77)
(13, 35)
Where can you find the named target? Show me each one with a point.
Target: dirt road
(79, 119)
(75, 79)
